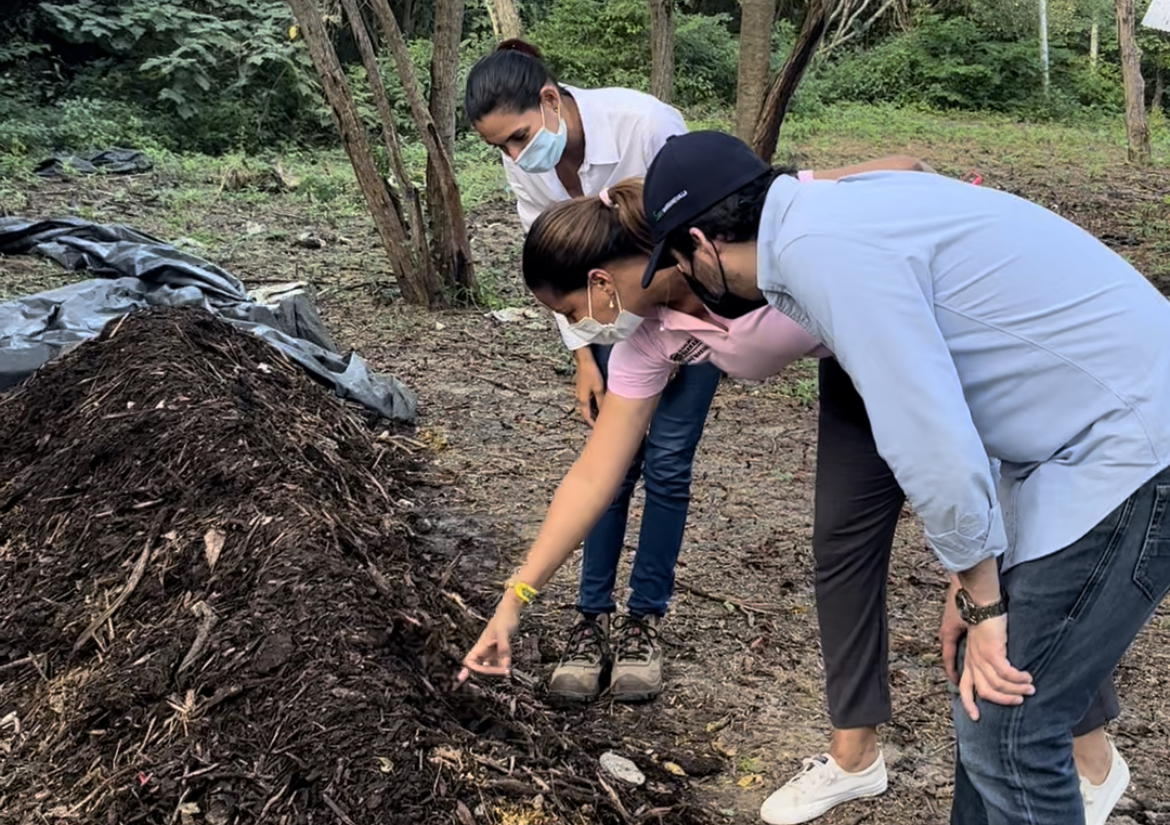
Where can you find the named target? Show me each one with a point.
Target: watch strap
(973, 614)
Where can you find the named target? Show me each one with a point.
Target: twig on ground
(135, 577)
(200, 608)
(615, 799)
(379, 579)
(27, 660)
(333, 806)
(747, 607)
(502, 385)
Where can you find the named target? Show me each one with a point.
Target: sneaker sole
(636, 695)
(573, 698)
(811, 812)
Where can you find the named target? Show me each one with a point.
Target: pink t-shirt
(756, 346)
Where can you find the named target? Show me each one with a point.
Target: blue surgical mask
(544, 151)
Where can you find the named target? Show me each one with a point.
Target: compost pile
(217, 606)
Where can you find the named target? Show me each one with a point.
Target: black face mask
(728, 305)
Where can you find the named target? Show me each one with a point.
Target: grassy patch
(948, 137)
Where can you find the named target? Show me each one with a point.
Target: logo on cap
(669, 204)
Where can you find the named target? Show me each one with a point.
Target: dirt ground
(499, 429)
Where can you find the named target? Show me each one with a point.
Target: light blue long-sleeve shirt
(978, 326)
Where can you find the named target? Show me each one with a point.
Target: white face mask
(592, 331)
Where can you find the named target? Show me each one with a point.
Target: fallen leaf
(464, 815)
(385, 765)
(747, 781)
(718, 748)
(213, 546)
(673, 768)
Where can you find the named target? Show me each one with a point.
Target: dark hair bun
(517, 45)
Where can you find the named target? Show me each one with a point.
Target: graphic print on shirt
(690, 352)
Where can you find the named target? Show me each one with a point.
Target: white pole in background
(1044, 42)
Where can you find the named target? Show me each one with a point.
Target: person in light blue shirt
(981, 330)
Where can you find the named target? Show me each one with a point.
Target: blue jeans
(1071, 617)
(664, 464)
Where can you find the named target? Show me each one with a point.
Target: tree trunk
(662, 49)
(1094, 43)
(755, 64)
(1136, 132)
(454, 258)
(414, 213)
(444, 65)
(784, 86)
(408, 19)
(386, 218)
(505, 20)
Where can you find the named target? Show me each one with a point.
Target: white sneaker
(1100, 799)
(820, 786)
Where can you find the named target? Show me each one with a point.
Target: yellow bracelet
(524, 592)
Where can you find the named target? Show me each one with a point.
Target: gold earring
(611, 302)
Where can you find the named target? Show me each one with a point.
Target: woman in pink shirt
(585, 259)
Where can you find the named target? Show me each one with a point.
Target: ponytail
(509, 79)
(571, 238)
(515, 44)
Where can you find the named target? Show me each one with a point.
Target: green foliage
(226, 75)
(951, 63)
(605, 43)
(191, 54)
(706, 58)
(1020, 19)
(597, 42)
(207, 74)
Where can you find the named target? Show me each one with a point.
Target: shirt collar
(601, 147)
(776, 205)
(677, 321)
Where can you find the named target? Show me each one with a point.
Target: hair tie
(603, 196)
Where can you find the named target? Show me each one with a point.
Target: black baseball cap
(690, 174)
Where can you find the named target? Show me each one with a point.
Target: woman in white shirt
(560, 142)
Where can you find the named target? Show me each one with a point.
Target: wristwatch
(972, 613)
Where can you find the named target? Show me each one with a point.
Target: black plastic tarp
(112, 161)
(135, 270)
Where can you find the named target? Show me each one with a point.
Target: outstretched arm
(892, 163)
(582, 497)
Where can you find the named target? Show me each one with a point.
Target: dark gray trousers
(858, 503)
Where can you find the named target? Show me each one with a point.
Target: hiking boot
(1100, 799)
(578, 676)
(820, 786)
(637, 661)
